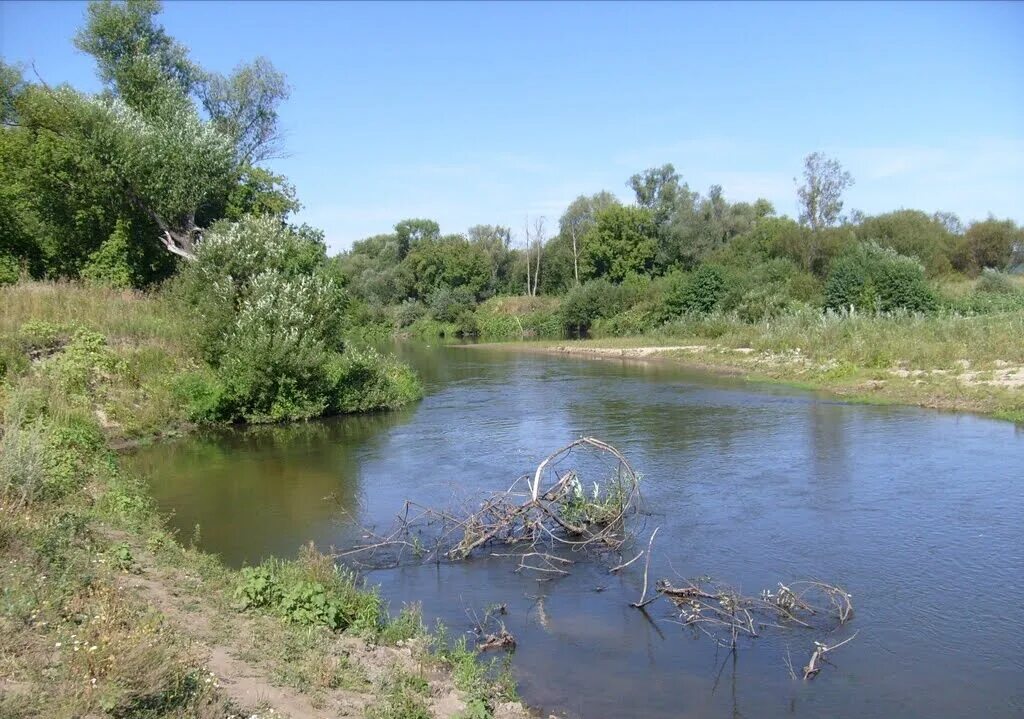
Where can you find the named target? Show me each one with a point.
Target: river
(919, 514)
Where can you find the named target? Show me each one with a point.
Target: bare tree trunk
(529, 287)
(538, 232)
(575, 254)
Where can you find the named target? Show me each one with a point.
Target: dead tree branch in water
(818, 656)
(555, 511)
(543, 514)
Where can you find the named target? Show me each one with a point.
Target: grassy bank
(103, 612)
(970, 363)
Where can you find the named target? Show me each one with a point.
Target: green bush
(995, 282)
(698, 293)
(310, 594)
(363, 379)
(876, 279)
(589, 302)
(110, 265)
(10, 270)
(447, 304)
(271, 322)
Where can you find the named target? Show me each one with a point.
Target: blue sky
(484, 113)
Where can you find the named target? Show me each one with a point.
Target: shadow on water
(919, 514)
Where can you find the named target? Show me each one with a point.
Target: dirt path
(225, 642)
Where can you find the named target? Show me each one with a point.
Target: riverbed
(919, 514)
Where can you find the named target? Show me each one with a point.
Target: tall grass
(880, 341)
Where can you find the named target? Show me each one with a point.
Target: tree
(135, 57)
(821, 195)
(534, 245)
(244, 107)
(914, 234)
(993, 243)
(448, 262)
(622, 242)
(657, 189)
(496, 242)
(578, 219)
(411, 232)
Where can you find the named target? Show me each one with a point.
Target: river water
(919, 514)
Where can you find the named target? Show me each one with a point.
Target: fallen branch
(647, 566)
(818, 656)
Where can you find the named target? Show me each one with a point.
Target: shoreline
(996, 393)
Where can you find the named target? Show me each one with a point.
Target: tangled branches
(724, 614)
(547, 510)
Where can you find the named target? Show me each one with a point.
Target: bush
(10, 270)
(311, 591)
(109, 266)
(363, 379)
(591, 301)
(877, 279)
(271, 323)
(995, 282)
(698, 293)
(447, 304)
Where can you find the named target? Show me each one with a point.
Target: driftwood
(818, 656)
(552, 511)
(546, 513)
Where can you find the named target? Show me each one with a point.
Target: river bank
(969, 364)
(105, 611)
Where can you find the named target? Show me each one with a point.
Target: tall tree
(135, 57)
(243, 106)
(821, 195)
(579, 218)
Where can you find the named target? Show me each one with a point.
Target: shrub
(363, 379)
(10, 270)
(993, 281)
(109, 266)
(591, 301)
(271, 323)
(878, 279)
(447, 304)
(310, 591)
(698, 293)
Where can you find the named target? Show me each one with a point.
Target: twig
(647, 565)
(818, 655)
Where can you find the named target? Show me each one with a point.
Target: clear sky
(482, 113)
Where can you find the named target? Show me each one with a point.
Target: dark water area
(919, 514)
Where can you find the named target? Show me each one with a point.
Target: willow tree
(166, 148)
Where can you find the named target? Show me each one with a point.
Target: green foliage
(403, 696)
(109, 265)
(447, 304)
(993, 281)
(362, 379)
(877, 279)
(448, 263)
(623, 241)
(589, 302)
(122, 557)
(10, 270)
(914, 234)
(407, 625)
(991, 243)
(272, 324)
(599, 505)
(85, 362)
(701, 293)
(310, 595)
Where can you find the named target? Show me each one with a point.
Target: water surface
(919, 514)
